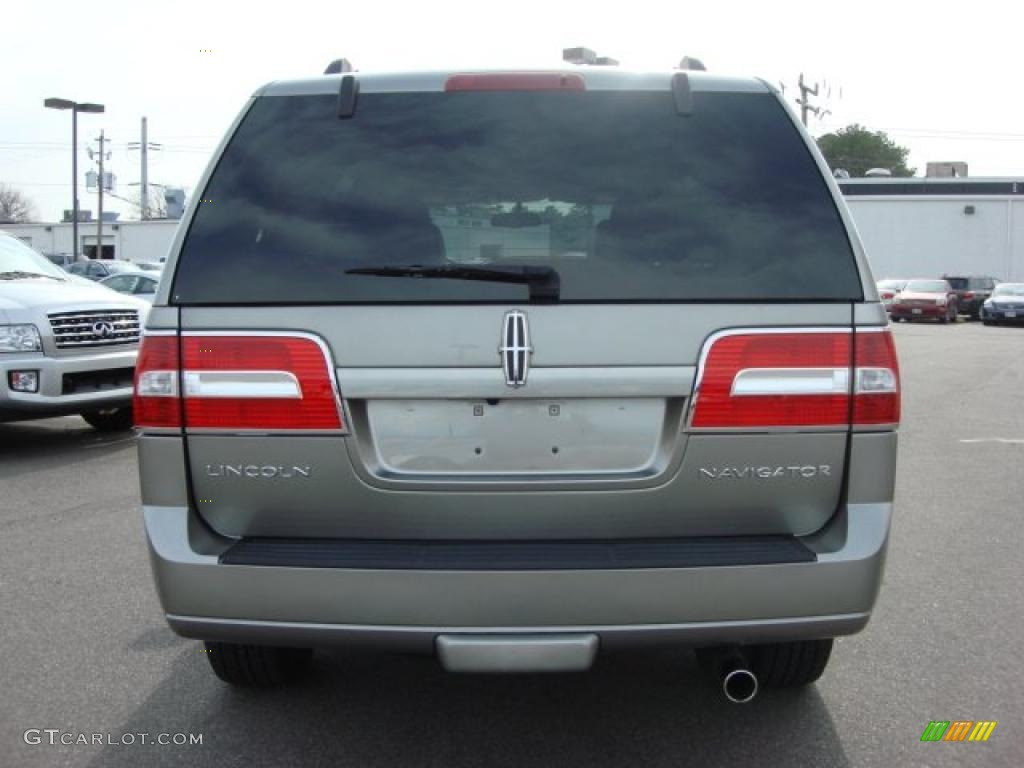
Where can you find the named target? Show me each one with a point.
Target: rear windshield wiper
(17, 274)
(543, 281)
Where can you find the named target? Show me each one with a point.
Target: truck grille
(95, 328)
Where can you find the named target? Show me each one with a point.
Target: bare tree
(157, 204)
(15, 207)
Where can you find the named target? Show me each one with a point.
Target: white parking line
(1007, 440)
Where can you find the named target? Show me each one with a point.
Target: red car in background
(925, 299)
(887, 290)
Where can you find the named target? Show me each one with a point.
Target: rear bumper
(897, 310)
(1000, 316)
(410, 609)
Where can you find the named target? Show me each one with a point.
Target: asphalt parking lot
(85, 649)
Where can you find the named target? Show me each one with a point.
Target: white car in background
(67, 346)
(141, 285)
(887, 290)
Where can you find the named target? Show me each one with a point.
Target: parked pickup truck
(66, 345)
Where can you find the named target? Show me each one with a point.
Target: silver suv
(67, 345)
(515, 367)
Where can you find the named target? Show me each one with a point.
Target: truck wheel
(110, 420)
(257, 665)
(790, 665)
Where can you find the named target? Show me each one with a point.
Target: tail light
(876, 397)
(239, 382)
(784, 379)
(156, 402)
(968, 294)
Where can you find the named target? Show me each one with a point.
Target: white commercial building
(930, 227)
(131, 240)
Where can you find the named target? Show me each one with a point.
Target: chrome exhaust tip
(731, 665)
(739, 685)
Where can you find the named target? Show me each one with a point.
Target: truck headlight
(19, 338)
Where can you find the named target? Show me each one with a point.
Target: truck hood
(50, 295)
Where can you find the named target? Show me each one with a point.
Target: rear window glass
(958, 283)
(927, 286)
(624, 198)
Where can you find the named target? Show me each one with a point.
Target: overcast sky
(941, 78)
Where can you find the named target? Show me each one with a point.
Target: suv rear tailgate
(594, 445)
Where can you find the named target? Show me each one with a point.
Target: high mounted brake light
(236, 382)
(516, 81)
(791, 379)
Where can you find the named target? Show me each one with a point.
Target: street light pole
(74, 183)
(75, 108)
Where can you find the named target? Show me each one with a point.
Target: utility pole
(144, 188)
(99, 205)
(144, 146)
(804, 102)
(805, 105)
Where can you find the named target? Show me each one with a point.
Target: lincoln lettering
(805, 471)
(257, 470)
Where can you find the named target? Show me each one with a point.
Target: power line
(38, 183)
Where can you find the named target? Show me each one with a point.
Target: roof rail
(338, 66)
(585, 56)
(692, 64)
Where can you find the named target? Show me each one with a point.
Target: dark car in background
(1005, 305)
(971, 292)
(930, 299)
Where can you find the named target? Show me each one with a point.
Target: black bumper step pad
(516, 555)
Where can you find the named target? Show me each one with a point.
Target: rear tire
(790, 665)
(110, 420)
(257, 665)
